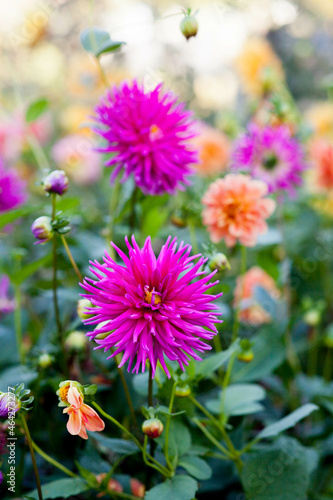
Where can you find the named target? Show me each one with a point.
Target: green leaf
(119, 446)
(36, 109)
(196, 467)
(287, 422)
(238, 399)
(180, 487)
(179, 439)
(98, 42)
(12, 215)
(210, 364)
(63, 488)
(153, 221)
(20, 276)
(140, 384)
(67, 204)
(279, 472)
(16, 375)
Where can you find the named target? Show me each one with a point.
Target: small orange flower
(254, 314)
(81, 416)
(254, 62)
(112, 485)
(137, 488)
(214, 151)
(235, 209)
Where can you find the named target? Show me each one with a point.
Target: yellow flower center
(63, 393)
(152, 297)
(155, 133)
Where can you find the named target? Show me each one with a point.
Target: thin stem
(18, 323)
(328, 365)
(33, 458)
(114, 201)
(102, 73)
(313, 353)
(53, 461)
(126, 390)
(193, 237)
(150, 386)
(133, 203)
(136, 441)
(211, 438)
(235, 328)
(146, 461)
(167, 427)
(54, 265)
(71, 258)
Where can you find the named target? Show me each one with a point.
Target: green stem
(328, 365)
(313, 354)
(18, 323)
(133, 203)
(33, 458)
(193, 237)
(150, 387)
(217, 343)
(53, 461)
(126, 390)
(54, 266)
(163, 470)
(114, 201)
(211, 438)
(71, 258)
(146, 461)
(167, 427)
(235, 328)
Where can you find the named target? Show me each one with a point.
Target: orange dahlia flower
(236, 209)
(214, 151)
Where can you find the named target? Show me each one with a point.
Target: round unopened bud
(42, 229)
(246, 356)
(138, 489)
(312, 317)
(76, 341)
(82, 306)
(153, 428)
(182, 391)
(189, 26)
(45, 360)
(178, 221)
(219, 261)
(56, 182)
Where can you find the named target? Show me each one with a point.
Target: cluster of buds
(246, 353)
(43, 228)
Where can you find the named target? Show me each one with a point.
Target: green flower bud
(189, 26)
(219, 261)
(312, 317)
(183, 391)
(76, 341)
(152, 428)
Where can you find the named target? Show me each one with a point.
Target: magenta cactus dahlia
(272, 155)
(12, 189)
(152, 306)
(149, 135)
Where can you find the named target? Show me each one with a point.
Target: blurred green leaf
(16, 375)
(287, 422)
(20, 276)
(98, 42)
(180, 487)
(36, 109)
(196, 467)
(238, 399)
(209, 365)
(119, 446)
(11, 216)
(279, 472)
(63, 488)
(179, 439)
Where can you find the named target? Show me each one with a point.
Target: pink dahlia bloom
(149, 135)
(321, 175)
(12, 189)
(152, 306)
(75, 155)
(272, 155)
(235, 209)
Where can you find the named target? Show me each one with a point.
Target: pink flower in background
(149, 135)
(82, 418)
(214, 150)
(236, 209)
(251, 311)
(150, 307)
(12, 189)
(7, 304)
(272, 155)
(76, 156)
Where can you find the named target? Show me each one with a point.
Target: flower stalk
(33, 458)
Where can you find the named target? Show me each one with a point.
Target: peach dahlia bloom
(82, 418)
(214, 151)
(321, 175)
(251, 312)
(236, 209)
